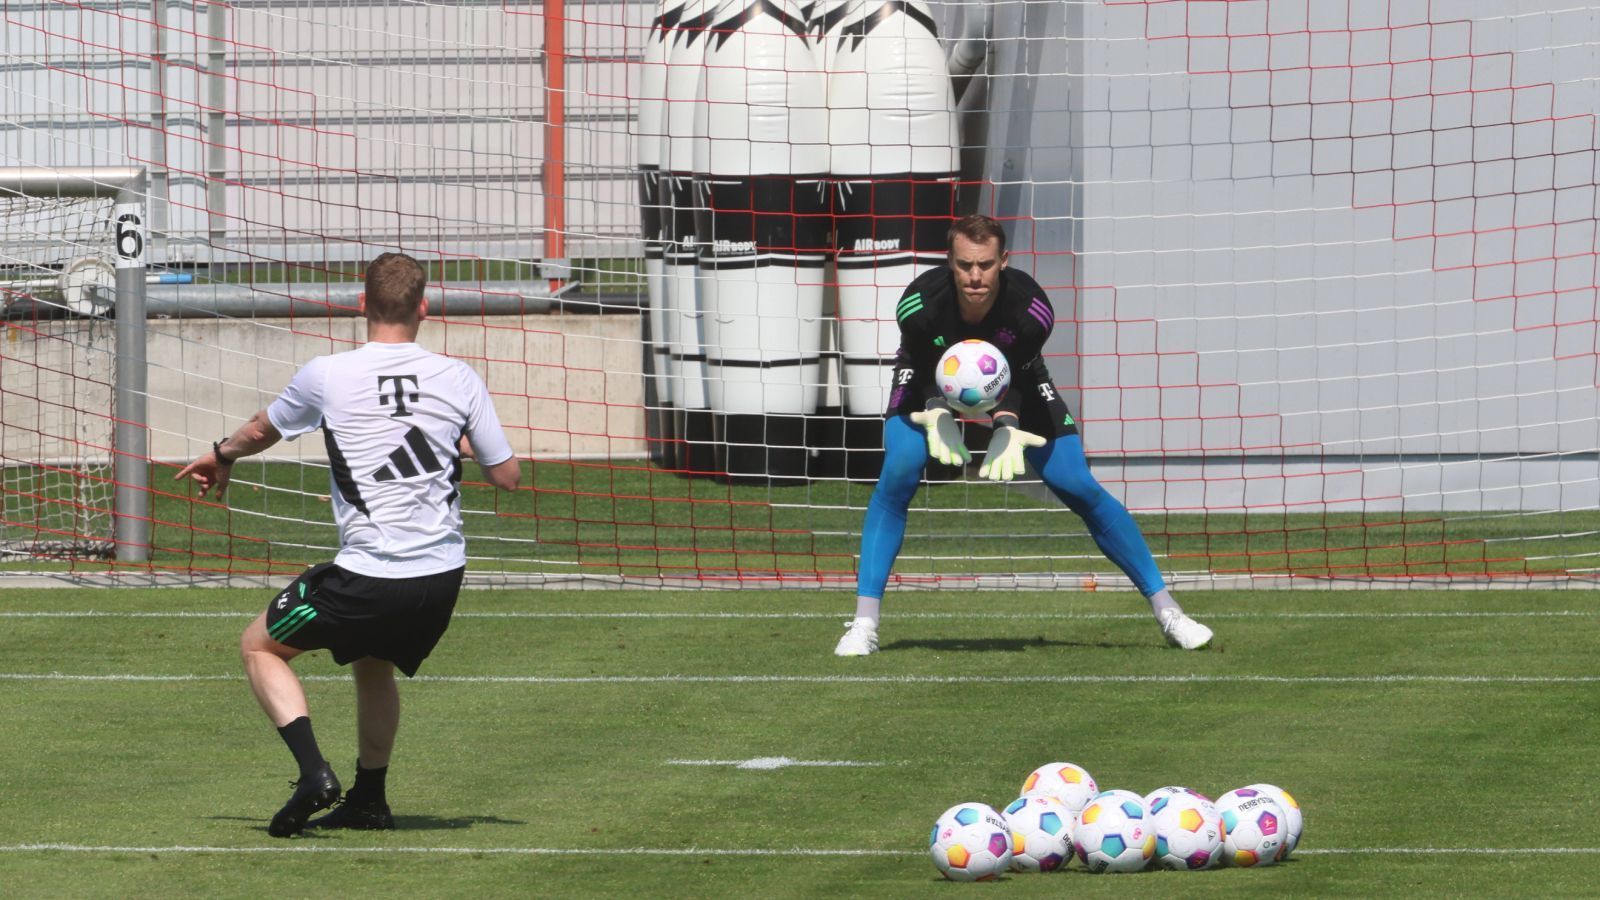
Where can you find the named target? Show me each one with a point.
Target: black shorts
(1044, 412)
(351, 615)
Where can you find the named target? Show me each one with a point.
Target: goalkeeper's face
(977, 269)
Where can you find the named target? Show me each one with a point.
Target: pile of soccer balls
(1062, 813)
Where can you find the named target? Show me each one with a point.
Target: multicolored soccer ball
(1114, 835)
(1188, 831)
(970, 842)
(1041, 833)
(1071, 784)
(1254, 826)
(974, 376)
(1294, 819)
(1169, 790)
(1117, 795)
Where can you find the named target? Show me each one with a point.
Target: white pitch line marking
(520, 851)
(867, 679)
(961, 616)
(771, 762)
(723, 851)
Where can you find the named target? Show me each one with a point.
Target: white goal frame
(127, 188)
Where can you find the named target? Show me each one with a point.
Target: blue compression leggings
(1060, 462)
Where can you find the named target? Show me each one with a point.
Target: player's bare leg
(266, 666)
(377, 722)
(377, 710)
(278, 690)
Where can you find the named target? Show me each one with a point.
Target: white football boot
(1182, 631)
(860, 638)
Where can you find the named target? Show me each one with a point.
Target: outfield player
(396, 421)
(977, 296)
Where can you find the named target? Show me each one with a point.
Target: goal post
(117, 241)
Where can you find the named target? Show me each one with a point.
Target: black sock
(369, 785)
(303, 744)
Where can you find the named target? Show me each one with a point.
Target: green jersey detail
(908, 306)
(939, 341)
(1066, 419)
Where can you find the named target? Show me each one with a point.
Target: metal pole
(131, 438)
(555, 133)
(130, 449)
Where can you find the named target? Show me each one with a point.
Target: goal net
(57, 363)
(1323, 274)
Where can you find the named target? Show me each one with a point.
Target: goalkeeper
(976, 296)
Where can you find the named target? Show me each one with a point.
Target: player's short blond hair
(394, 289)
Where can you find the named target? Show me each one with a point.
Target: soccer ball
(1188, 831)
(1254, 826)
(1117, 795)
(974, 376)
(1113, 835)
(1168, 791)
(1294, 820)
(1041, 833)
(970, 842)
(1070, 784)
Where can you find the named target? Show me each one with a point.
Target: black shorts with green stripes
(351, 615)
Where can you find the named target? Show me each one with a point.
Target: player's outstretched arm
(214, 470)
(505, 475)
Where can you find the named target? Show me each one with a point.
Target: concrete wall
(563, 385)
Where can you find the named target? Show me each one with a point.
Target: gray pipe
(274, 301)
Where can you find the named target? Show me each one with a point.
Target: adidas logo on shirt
(410, 459)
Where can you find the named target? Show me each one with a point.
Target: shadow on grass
(1001, 645)
(448, 823)
(401, 823)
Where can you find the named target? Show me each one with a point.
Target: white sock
(1161, 601)
(868, 608)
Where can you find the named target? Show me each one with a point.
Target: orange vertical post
(554, 170)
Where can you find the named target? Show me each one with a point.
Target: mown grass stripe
(832, 615)
(1309, 680)
(721, 851)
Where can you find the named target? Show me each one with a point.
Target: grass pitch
(586, 743)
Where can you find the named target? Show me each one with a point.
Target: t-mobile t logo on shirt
(399, 394)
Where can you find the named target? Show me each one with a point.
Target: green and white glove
(1004, 461)
(944, 437)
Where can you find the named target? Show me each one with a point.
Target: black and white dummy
(761, 162)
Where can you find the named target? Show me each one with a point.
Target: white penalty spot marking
(772, 762)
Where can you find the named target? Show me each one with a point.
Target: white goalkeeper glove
(944, 438)
(1004, 461)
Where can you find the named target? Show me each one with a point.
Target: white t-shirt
(392, 416)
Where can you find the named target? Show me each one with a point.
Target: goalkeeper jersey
(1019, 323)
(392, 416)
